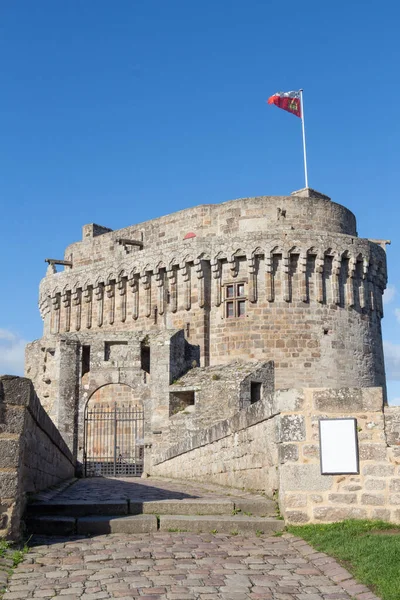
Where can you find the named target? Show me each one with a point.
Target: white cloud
(392, 360)
(389, 294)
(397, 314)
(12, 353)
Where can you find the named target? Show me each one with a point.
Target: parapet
(92, 230)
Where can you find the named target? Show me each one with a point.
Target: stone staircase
(229, 514)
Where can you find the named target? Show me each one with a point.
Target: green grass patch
(369, 550)
(10, 556)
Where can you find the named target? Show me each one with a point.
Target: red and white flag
(289, 101)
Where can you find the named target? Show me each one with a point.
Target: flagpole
(304, 137)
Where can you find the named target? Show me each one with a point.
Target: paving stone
(163, 565)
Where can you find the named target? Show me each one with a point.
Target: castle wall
(33, 454)
(240, 452)
(307, 496)
(273, 446)
(316, 314)
(217, 394)
(282, 279)
(114, 364)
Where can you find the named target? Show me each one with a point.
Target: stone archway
(113, 433)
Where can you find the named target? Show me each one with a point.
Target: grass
(369, 550)
(16, 555)
(13, 553)
(259, 533)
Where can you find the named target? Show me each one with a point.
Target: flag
(289, 101)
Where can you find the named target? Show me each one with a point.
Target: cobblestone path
(177, 566)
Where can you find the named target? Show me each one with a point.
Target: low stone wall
(239, 452)
(33, 455)
(274, 445)
(307, 496)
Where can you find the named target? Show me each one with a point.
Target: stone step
(137, 506)
(51, 525)
(182, 507)
(56, 525)
(78, 508)
(101, 525)
(221, 524)
(260, 507)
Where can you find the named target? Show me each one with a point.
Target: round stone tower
(269, 278)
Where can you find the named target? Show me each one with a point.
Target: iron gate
(113, 440)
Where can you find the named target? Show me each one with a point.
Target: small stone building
(173, 325)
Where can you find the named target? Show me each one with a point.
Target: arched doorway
(113, 433)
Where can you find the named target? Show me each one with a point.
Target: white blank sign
(338, 446)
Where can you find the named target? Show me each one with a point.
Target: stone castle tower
(283, 279)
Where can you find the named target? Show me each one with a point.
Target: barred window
(235, 300)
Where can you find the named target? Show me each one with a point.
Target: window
(255, 391)
(85, 360)
(145, 356)
(180, 401)
(235, 300)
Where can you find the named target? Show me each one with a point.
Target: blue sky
(118, 112)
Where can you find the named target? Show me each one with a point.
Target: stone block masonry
(273, 446)
(33, 455)
(212, 316)
(282, 279)
(240, 451)
(267, 278)
(307, 496)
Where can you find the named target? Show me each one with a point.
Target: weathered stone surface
(349, 400)
(259, 507)
(373, 499)
(394, 485)
(343, 498)
(292, 428)
(375, 484)
(392, 425)
(378, 470)
(33, 455)
(9, 453)
(186, 507)
(222, 524)
(304, 478)
(330, 513)
(296, 517)
(289, 400)
(310, 451)
(382, 514)
(376, 452)
(288, 453)
(295, 500)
